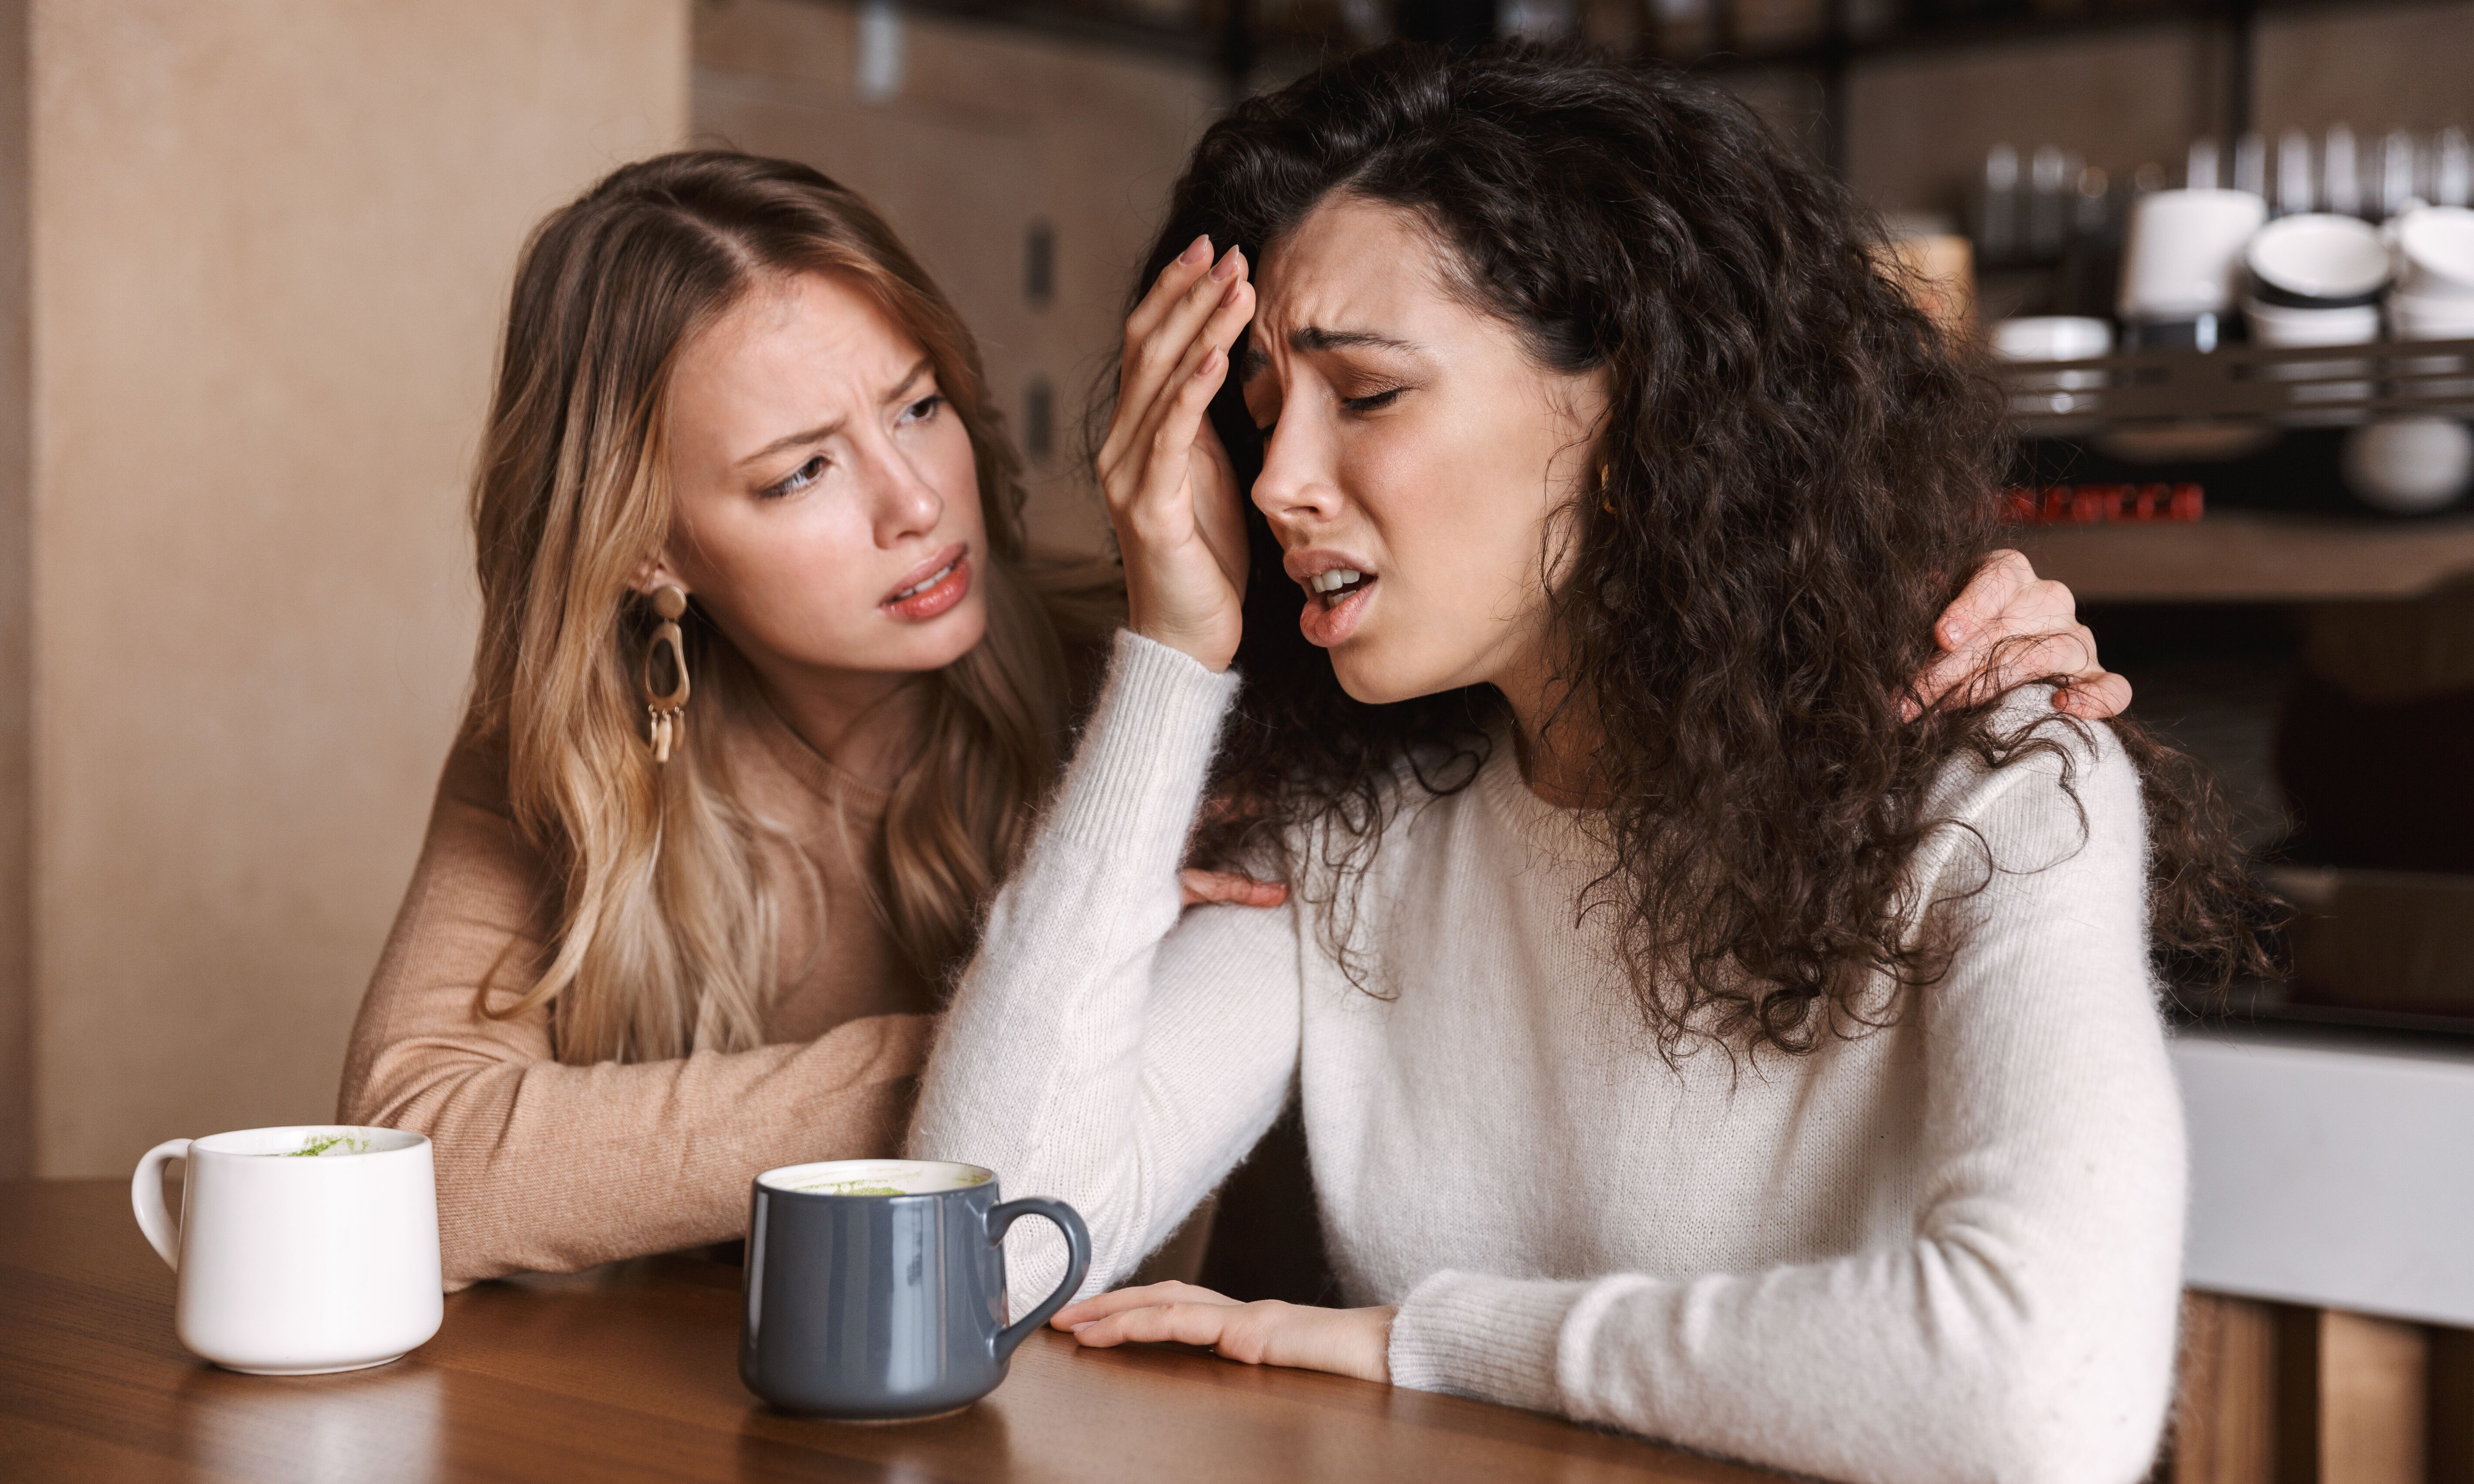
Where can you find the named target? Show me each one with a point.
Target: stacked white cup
(2315, 278)
(2413, 464)
(2181, 260)
(2434, 248)
(2052, 337)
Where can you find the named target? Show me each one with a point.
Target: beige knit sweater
(551, 1167)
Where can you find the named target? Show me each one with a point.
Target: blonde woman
(766, 690)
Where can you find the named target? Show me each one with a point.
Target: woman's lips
(942, 588)
(1327, 623)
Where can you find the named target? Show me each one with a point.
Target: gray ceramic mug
(875, 1289)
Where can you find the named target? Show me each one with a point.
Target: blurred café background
(253, 253)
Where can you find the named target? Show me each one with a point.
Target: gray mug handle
(1077, 1263)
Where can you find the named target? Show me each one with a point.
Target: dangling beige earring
(663, 708)
(1606, 501)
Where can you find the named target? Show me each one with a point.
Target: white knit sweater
(1948, 1249)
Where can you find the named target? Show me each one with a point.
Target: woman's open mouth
(1336, 601)
(935, 591)
(1334, 588)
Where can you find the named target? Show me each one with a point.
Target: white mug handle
(146, 1196)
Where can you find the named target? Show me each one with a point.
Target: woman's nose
(1299, 481)
(906, 504)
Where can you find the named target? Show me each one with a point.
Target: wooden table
(630, 1372)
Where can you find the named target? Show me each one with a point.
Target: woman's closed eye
(1371, 401)
(797, 479)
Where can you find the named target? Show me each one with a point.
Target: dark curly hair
(1799, 477)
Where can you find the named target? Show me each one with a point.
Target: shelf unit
(2319, 386)
(2247, 557)
(2235, 555)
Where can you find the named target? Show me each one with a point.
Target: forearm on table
(1063, 1061)
(1941, 1360)
(548, 1167)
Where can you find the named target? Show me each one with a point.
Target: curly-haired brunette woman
(1689, 1038)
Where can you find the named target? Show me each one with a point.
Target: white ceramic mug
(2184, 250)
(300, 1250)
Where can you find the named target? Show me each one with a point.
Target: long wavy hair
(667, 916)
(1798, 476)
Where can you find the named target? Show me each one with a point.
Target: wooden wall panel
(2370, 1399)
(2224, 1415)
(2281, 1393)
(2449, 1433)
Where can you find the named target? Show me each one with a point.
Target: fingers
(1172, 281)
(2095, 700)
(1237, 1331)
(1996, 586)
(1944, 673)
(2087, 689)
(1994, 661)
(1134, 436)
(1158, 501)
(2068, 654)
(1154, 356)
(1991, 656)
(1099, 1305)
(1207, 888)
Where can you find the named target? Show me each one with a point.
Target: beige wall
(991, 127)
(16, 609)
(271, 244)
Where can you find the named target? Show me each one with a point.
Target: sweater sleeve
(1101, 1048)
(2024, 1328)
(551, 1167)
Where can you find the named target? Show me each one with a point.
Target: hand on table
(1343, 1341)
(2009, 628)
(1172, 491)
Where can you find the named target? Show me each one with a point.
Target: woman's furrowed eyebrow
(1307, 338)
(910, 379)
(789, 441)
(824, 430)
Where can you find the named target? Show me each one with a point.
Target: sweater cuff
(1479, 1336)
(1139, 771)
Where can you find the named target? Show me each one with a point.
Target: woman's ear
(654, 574)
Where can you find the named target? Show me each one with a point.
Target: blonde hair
(667, 916)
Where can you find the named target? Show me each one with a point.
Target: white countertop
(2331, 1170)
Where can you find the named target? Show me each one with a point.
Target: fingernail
(1226, 268)
(1084, 1325)
(1196, 250)
(1953, 633)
